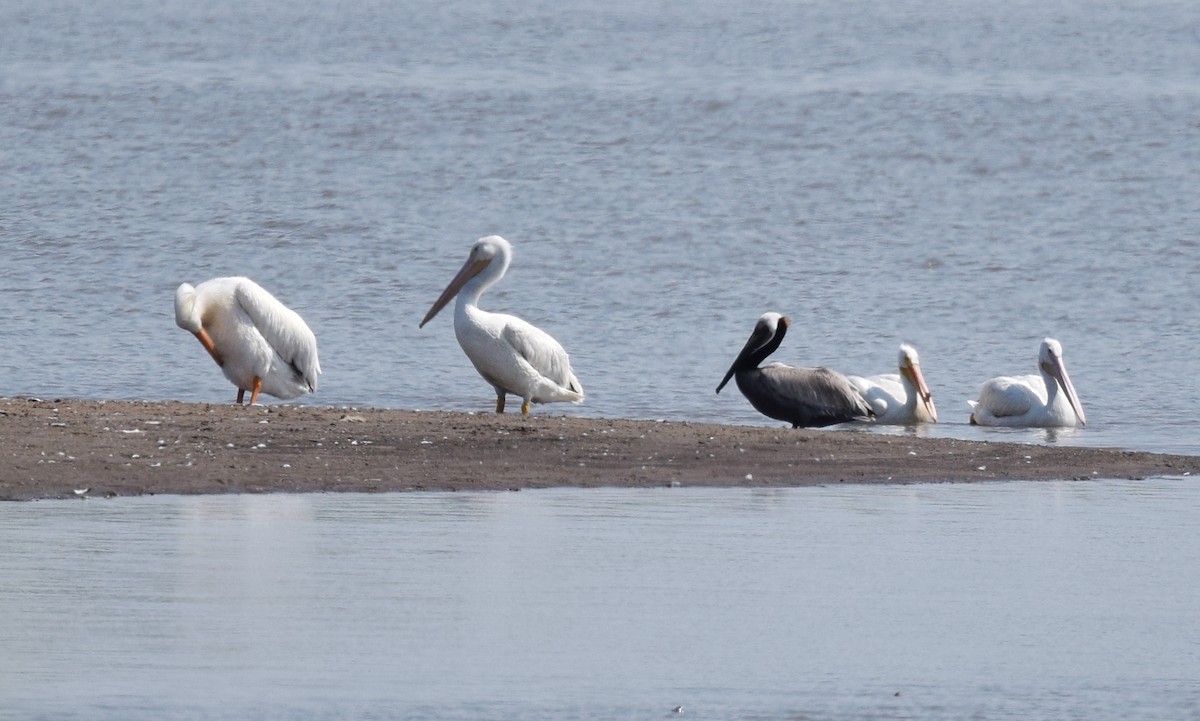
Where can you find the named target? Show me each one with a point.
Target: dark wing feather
(808, 397)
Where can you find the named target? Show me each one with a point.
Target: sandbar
(66, 448)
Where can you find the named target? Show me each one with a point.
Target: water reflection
(1002, 600)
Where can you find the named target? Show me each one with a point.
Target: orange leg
(525, 408)
(255, 390)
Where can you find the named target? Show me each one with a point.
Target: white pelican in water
(261, 345)
(804, 397)
(899, 399)
(514, 356)
(1047, 400)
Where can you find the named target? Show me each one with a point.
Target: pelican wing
(883, 392)
(814, 395)
(283, 329)
(1011, 396)
(544, 354)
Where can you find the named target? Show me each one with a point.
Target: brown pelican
(899, 399)
(512, 355)
(1047, 400)
(804, 397)
(261, 345)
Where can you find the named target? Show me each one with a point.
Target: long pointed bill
(757, 338)
(1059, 370)
(728, 375)
(469, 270)
(913, 372)
(206, 341)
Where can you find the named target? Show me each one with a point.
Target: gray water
(966, 176)
(1063, 600)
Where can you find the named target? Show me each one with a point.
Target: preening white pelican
(261, 345)
(514, 356)
(804, 397)
(1047, 400)
(899, 399)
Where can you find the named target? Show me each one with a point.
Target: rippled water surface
(1064, 600)
(967, 176)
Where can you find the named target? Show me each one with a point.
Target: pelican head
(910, 368)
(491, 254)
(1050, 361)
(768, 333)
(187, 315)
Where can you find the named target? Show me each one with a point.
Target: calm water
(1017, 600)
(969, 176)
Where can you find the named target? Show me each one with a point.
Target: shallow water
(968, 178)
(1067, 600)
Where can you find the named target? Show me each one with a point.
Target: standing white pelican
(804, 397)
(899, 399)
(1047, 400)
(514, 356)
(261, 345)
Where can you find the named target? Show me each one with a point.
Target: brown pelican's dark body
(804, 397)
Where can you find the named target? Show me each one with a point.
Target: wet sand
(52, 448)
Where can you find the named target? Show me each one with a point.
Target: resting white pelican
(899, 399)
(514, 356)
(1047, 400)
(261, 345)
(804, 397)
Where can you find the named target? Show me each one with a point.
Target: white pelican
(261, 345)
(804, 397)
(899, 399)
(1047, 400)
(514, 356)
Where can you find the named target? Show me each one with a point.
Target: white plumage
(261, 345)
(1046, 400)
(512, 355)
(899, 399)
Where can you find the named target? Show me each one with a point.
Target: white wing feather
(283, 329)
(883, 392)
(544, 354)
(1011, 396)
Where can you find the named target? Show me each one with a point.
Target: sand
(57, 448)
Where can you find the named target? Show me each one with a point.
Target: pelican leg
(499, 401)
(525, 408)
(241, 395)
(255, 390)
